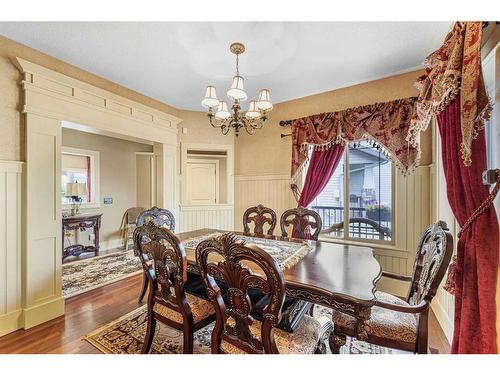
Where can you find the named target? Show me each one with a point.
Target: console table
(81, 222)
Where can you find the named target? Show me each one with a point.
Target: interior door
(202, 181)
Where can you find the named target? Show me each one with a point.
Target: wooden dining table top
(329, 274)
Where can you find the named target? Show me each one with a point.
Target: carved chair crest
(164, 261)
(160, 216)
(233, 319)
(298, 218)
(431, 261)
(259, 219)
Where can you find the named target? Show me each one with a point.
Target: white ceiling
(173, 62)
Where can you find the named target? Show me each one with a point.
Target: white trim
(197, 207)
(11, 166)
(443, 318)
(251, 177)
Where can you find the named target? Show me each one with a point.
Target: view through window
(362, 182)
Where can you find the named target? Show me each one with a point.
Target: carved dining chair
(241, 268)
(397, 323)
(260, 216)
(361, 227)
(301, 220)
(161, 217)
(164, 261)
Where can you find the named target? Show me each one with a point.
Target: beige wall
(266, 153)
(11, 128)
(117, 177)
(199, 129)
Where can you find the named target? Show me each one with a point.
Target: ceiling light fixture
(218, 113)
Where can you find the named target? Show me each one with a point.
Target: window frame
(346, 204)
(95, 200)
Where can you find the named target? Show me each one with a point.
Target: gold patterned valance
(386, 123)
(454, 68)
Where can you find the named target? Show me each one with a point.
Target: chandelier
(218, 113)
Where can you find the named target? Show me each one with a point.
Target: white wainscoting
(272, 190)
(217, 216)
(10, 246)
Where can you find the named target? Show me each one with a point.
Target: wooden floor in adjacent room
(88, 311)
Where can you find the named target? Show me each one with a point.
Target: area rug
(84, 275)
(126, 334)
(88, 274)
(286, 253)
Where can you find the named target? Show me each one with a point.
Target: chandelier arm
(214, 123)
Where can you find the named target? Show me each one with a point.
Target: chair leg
(150, 332)
(187, 347)
(144, 288)
(336, 341)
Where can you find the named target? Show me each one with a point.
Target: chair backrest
(300, 220)
(131, 214)
(164, 261)
(262, 216)
(228, 260)
(431, 261)
(160, 216)
(362, 227)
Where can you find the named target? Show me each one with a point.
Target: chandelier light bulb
(237, 91)
(253, 111)
(210, 100)
(264, 103)
(222, 112)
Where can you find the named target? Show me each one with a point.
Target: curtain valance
(385, 123)
(452, 69)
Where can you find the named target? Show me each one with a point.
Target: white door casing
(48, 99)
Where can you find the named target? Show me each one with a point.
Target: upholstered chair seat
(200, 308)
(304, 340)
(403, 324)
(384, 323)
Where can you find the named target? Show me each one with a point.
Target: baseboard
(42, 313)
(10, 322)
(443, 318)
(111, 244)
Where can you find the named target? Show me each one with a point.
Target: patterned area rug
(84, 275)
(126, 334)
(285, 253)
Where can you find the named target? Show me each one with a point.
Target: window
(80, 166)
(362, 182)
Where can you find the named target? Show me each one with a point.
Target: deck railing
(331, 215)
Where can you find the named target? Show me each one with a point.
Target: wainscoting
(10, 245)
(270, 190)
(218, 216)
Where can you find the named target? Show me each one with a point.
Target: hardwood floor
(90, 310)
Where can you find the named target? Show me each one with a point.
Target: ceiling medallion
(218, 113)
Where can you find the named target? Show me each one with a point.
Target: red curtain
(477, 248)
(321, 167)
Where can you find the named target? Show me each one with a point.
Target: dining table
(335, 275)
